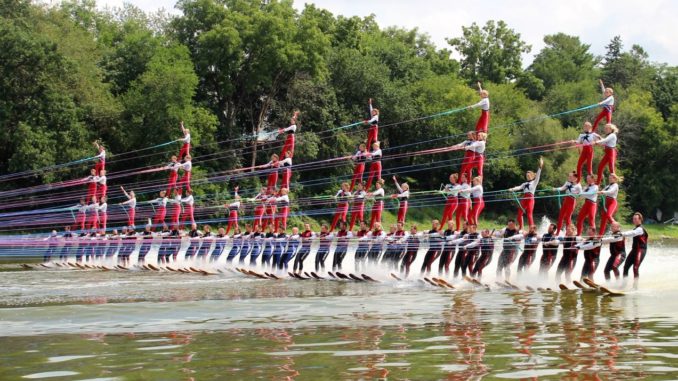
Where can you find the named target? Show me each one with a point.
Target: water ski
(563, 287)
(369, 278)
(316, 276)
(26, 266)
(342, 276)
(442, 282)
(609, 292)
(354, 277)
(307, 275)
(395, 276)
(331, 274)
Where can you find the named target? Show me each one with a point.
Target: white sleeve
(613, 238)
(473, 244)
(633, 233)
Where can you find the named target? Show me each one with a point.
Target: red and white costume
(185, 182)
(173, 169)
(161, 212)
(176, 210)
(358, 210)
(102, 187)
(233, 214)
(610, 192)
(359, 168)
(608, 107)
(259, 209)
(93, 215)
(188, 209)
(586, 141)
(103, 215)
(272, 180)
(403, 197)
(101, 162)
(527, 202)
(373, 132)
(342, 198)
(375, 167)
(477, 201)
(451, 193)
(288, 146)
(377, 207)
(464, 204)
(91, 187)
(286, 166)
(478, 162)
(610, 156)
(186, 147)
(469, 158)
(484, 120)
(131, 205)
(569, 202)
(283, 205)
(589, 209)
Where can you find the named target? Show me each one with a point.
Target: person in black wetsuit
(529, 250)
(570, 252)
(638, 248)
(510, 245)
(549, 247)
(448, 250)
(343, 237)
(486, 246)
(305, 250)
(412, 243)
(617, 251)
(363, 246)
(591, 247)
(435, 246)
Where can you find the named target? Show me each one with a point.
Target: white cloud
(649, 23)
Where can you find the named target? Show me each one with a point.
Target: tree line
(230, 68)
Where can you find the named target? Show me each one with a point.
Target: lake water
(95, 325)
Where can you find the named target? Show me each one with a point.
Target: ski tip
(563, 287)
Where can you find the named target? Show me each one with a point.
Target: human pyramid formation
(472, 251)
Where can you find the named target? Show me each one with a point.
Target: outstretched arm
(125, 192)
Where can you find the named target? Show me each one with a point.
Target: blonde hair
(381, 182)
(485, 93)
(612, 127)
(375, 110)
(481, 136)
(531, 175)
(609, 89)
(405, 186)
(618, 178)
(478, 178)
(455, 176)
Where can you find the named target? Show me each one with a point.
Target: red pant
(281, 218)
(232, 220)
(272, 180)
(478, 206)
(604, 113)
(80, 221)
(462, 211)
(188, 214)
(103, 220)
(588, 211)
(585, 157)
(566, 211)
(91, 191)
(375, 214)
(176, 213)
(102, 189)
(608, 214)
(100, 166)
(288, 146)
(526, 206)
(402, 211)
(483, 121)
(478, 163)
(467, 164)
(357, 213)
(185, 150)
(185, 181)
(372, 136)
(93, 222)
(286, 176)
(160, 216)
(375, 174)
(609, 159)
(358, 171)
(130, 216)
(258, 215)
(269, 216)
(341, 212)
(172, 183)
(448, 212)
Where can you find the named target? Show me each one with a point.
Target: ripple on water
(57, 373)
(55, 359)
(532, 373)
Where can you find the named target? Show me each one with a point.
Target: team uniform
(373, 132)
(591, 249)
(463, 205)
(343, 237)
(358, 209)
(233, 215)
(173, 169)
(589, 209)
(375, 167)
(638, 250)
(451, 193)
(377, 206)
(529, 252)
(188, 209)
(609, 157)
(403, 197)
(572, 191)
(478, 160)
(286, 166)
(511, 243)
(358, 168)
(306, 240)
(549, 246)
(342, 197)
(610, 192)
(484, 120)
(586, 141)
(527, 202)
(186, 147)
(288, 146)
(185, 182)
(608, 107)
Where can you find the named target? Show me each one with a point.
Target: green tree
(491, 53)
(626, 68)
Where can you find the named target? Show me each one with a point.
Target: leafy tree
(491, 53)
(626, 68)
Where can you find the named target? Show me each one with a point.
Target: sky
(648, 23)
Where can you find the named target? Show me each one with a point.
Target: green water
(87, 325)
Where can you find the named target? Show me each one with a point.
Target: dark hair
(511, 220)
(640, 215)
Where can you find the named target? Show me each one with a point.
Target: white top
(103, 207)
(100, 179)
(380, 236)
(162, 201)
(101, 155)
(186, 166)
(286, 161)
(378, 193)
(477, 191)
(402, 193)
(187, 138)
(609, 141)
(374, 119)
(465, 191)
(452, 190)
(283, 198)
(376, 154)
(587, 139)
(477, 146)
(132, 202)
(588, 245)
(528, 186)
(187, 200)
(234, 205)
(633, 233)
(516, 237)
(272, 164)
(611, 190)
(590, 192)
(176, 200)
(571, 189)
(359, 195)
(292, 128)
(484, 104)
(359, 154)
(92, 179)
(173, 166)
